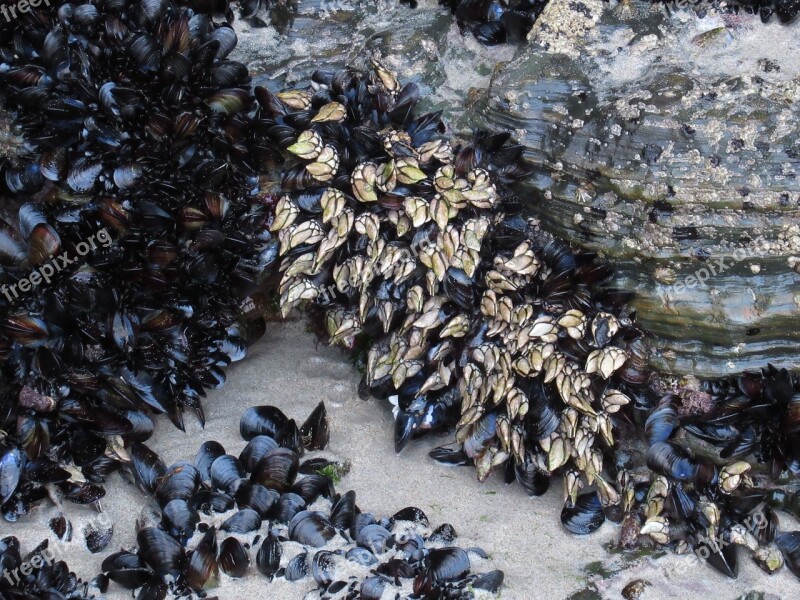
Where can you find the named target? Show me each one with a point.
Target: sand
(522, 535)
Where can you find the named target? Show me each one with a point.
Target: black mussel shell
(490, 582)
(257, 497)
(413, 514)
(61, 527)
(161, 552)
(789, 544)
(311, 529)
(211, 501)
(723, 558)
(671, 460)
(585, 516)
(181, 481)
(277, 470)
(205, 457)
(450, 457)
(372, 588)
(374, 538)
(147, 467)
(226, 473)
(298, 567)
(314, 430)
(361, 556)
(244, 521)
(262, 420)
(233, 558)
(97, 537)
(179, 520)
(268, 559)
(10, 472)
(534, 481)
(323, 567)
(447, 564)
(287, 507)
(344, 510)
(444, 534)
(661, 423)
(126, 569)
(312, 487)
(255, 450)
(203, 570)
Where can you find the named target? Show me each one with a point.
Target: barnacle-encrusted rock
(670, 144)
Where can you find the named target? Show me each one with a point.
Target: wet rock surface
(669, 144)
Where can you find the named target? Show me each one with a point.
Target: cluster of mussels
(412, 253)
(139, 238)
(497, 21)
(785, 10)
(296, 527)
(35, 575)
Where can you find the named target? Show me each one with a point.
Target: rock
(669, 144)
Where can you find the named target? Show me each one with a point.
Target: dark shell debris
(405, 246)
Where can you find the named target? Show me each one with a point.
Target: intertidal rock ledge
(669, 143)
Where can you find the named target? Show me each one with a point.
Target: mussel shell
(126, 569)
(268, 559)
(277, 470)
(372, 588)
(147, 467)
(255, 450)
(287, 507)
(205, 457)
(323, 567)
(298, 567)
(226, 472)
(374, 538)
(661, 423)
(203, 570)
(671, 460)
(490, 582)
(211, 501)
(447, 564)
(312, 487)
(257, 497)
(343, 511)
(11, 463)
(97, 537)
(179, 520)
(233, 558)
(412, 514)
(314, 430)
(311, 529)
(361, 556)
(789, 545)
(585, 516)
(180, 481)
(161, 552)
(533, 480)
(262, 420)
(445, 534)
(244, 521)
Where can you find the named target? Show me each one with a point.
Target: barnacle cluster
(139, 236)
(412, 252)
(284, 515)
(472, 318)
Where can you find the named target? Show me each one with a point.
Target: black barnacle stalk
(266, 494)
(139, 242)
